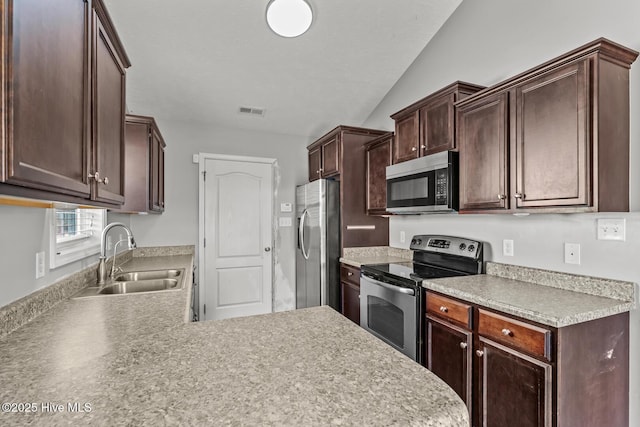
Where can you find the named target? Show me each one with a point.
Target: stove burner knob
(462, 246)
(419, 241)
(414, 241)
(472, 248)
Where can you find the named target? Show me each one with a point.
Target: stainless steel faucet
(102, 269)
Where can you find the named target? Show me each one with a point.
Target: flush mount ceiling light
(289, 18)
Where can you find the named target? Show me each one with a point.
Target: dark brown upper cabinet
(324, 158)
(144, 166)
(428, 125)
(340, 154)
(552, 139)
(379, 156)
(63, 102)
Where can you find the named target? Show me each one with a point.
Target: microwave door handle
(301, 234)
(394, 288)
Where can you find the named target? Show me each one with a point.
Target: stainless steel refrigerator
(318, 253)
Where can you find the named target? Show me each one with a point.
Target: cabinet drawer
(350, 274)
(523, 336)
(449, 309)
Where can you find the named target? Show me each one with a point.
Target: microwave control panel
(441, 187)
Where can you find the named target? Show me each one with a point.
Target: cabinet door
(448, 355)
(46, 103)
(552, 139)
(108, 115)
(314, 164)
(515, 389)
(330, 158)
(156, 167)
(378, 158)
(405, 144)
(482, 132)
(436, 126)
(350, 301)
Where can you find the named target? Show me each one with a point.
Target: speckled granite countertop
(357, 257)
(134, 361)
(550, 298)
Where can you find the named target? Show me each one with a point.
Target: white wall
(23, 233)
(178, 225)
(485, 42)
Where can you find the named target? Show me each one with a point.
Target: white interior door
(238, 211)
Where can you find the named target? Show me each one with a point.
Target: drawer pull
(443, 309)
(350, 273)
(479, 353)
(506, 332)
(463, 345)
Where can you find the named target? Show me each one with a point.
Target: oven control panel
(447, 244)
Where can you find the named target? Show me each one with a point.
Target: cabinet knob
(414, 148)
(443, 309)
(96, 176)
(424, 147)
(350, 273)
(479, 353)
(267, 249)
(501, 197)
(506, 332)
(519, 196)
(463, 345)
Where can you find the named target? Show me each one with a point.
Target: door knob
(267, 249)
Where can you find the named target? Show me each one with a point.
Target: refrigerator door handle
(301, 234)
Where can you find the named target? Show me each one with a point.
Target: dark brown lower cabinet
(449, 350)
(350, 301)
(515, 388)
(350, 292)
(512, 372)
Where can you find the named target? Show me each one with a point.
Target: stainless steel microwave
(427, 184)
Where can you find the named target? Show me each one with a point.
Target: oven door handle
(398, 289)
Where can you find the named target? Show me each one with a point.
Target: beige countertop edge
(360, 261)
(616, 307)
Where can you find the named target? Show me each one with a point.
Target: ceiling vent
(254, 111)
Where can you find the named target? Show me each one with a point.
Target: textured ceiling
(200, 60)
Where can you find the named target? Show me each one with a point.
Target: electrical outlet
(402, 237)
(572, 253)
(39, 265)
(611, 229)
(507, 247)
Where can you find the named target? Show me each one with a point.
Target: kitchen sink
(133, 282)
(147, 275)
(131, 287)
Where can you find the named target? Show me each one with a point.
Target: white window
(75, 234)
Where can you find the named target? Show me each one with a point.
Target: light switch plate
(572, 253)
(402, 237)
(285, 221)
(196, 158)
(611, 229)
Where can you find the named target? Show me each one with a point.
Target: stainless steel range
(391, 295)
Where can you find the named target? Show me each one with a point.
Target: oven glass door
(389, 312)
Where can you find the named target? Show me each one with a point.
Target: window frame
(74, 248)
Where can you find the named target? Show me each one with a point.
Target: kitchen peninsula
(134, 361)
